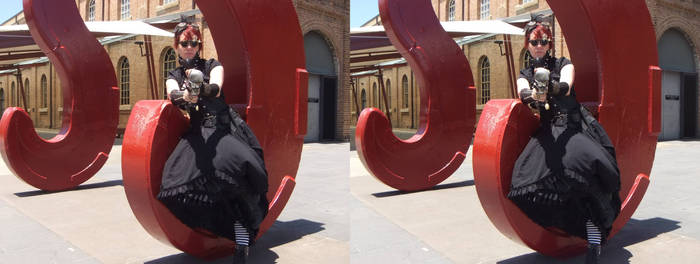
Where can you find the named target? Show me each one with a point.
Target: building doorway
(323, 88)
(679, 86)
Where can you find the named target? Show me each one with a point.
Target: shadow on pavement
(50, 135)
(80, 187)
(279, 234)
(635, 231)
(438, 187)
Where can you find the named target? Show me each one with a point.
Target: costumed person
(215, 180)
(566, 179)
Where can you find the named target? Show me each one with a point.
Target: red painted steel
(90, 110)
(447, 104)
(613, 46)
(262, 72)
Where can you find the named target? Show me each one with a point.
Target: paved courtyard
(338, 213)
(448, 225)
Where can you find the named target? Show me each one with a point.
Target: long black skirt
(215, 177)
(567, 174)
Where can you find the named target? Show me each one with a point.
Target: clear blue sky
(362, 10)
(9, 9)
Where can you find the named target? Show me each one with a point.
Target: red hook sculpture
(91, 104)
(613, 46)
(447, 104)
(261, 72)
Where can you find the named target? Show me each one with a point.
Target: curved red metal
(610, 58)
(91, 104)
(261, 72)
(447, 104)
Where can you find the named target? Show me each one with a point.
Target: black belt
(212, 120)
(562, 119)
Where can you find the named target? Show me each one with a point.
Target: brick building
(677, 26)
(324, 24)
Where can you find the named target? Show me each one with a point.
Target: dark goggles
(542, 42)
(189, 43)
(533, 24)
(182, 26)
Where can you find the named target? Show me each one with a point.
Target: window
(26, 93)
(451, 10)
(44, 91)
(527, 1)
(375, 99)
(485, 80)
(124, 81)
(168, 1)
(404, 87)
(526, 60)
(169, 59)
(125, 10)
(388, 93)
(12, 94)
(91, 11)
(2, 99)
(363, 97)
(484, 9)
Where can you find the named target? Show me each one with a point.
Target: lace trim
(201, 191)
(552, 189)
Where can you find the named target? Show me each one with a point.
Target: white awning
(463, 28)
(102, 28)
(375, 36)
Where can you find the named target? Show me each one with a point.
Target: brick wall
(683, 16)
(330, 18)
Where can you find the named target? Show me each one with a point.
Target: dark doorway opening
(689, 84)
(329, 94)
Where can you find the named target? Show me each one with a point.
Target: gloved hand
(558, 88)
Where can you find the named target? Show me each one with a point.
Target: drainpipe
(50, 95)
(413, 124)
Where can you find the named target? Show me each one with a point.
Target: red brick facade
(666, 14)
(330, 18)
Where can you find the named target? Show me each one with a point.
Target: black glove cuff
(177, 98)
(559, 88)
(526, 96)
(210, 90)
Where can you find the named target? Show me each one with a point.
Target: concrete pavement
(94, 223)
(448, 225)
(338, 213)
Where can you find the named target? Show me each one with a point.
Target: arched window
(169, 59)
(388, 93)
(124, 81)
(12, 94)
(124, 10)
(526, 60)
(363, 97)
(91, 10)
(485, 71)
(451, 10)
(484, 11)
(26, 93)
(375, 99)
(44, 91)
(404, 88)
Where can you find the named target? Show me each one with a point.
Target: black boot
(593, 253)
(240, 256)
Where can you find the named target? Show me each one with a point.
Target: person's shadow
(279, 234)
(633, 232)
